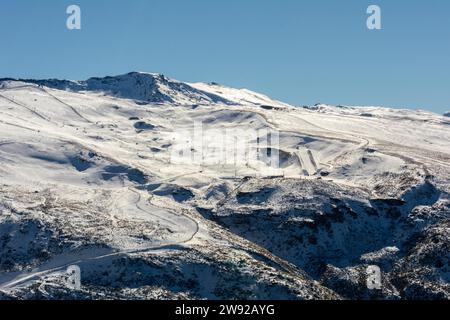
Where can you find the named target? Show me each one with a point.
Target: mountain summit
(146, 87)
(157, 88)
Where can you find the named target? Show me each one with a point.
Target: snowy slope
(88, 176)
(238, 96)
(157, 88)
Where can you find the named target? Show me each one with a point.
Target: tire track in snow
(37, 273)
(72, 108)
(26, 107)
(18, 126)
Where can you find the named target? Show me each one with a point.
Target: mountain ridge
(150, 87)
(155, 88)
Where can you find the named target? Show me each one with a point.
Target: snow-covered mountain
(157, 88)
(91, 174)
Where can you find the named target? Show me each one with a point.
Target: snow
(93, 162)
(238, 96)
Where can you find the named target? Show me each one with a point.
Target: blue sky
(302, 52)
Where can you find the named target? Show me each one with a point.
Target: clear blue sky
(299, 51)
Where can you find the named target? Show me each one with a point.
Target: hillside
(110, 174)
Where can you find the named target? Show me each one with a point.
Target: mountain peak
(140, 86)
(145, 75)
(158, 89)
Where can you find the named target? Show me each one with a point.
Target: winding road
(61, 262)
